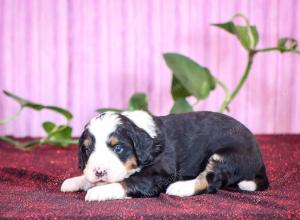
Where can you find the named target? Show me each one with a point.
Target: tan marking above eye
(87, 142)
(113, 140)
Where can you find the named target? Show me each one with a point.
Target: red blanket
(30, 188)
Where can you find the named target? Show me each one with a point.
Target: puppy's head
(114, 146)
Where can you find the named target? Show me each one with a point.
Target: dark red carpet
(30, 188)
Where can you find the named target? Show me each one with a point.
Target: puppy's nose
(100, 173)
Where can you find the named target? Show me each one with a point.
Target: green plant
(192, 79)
(56, 134)
(60, 135)
(189, 79)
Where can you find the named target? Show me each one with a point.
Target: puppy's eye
(118, 149)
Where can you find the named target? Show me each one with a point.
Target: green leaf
(62, 111)
(60, 134)
(138, 101)
(227, 26)
(36, 106)
(48, 126)
(23, 102)
(247, 35)
(196, 79)
(177, 89)
(101, 110)
(181, 105)
(63, 143)
(286, 44)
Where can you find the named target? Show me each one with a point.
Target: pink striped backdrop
(82, 55)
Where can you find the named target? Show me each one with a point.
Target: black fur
(145, 148)
(189, 140)
(85, 150)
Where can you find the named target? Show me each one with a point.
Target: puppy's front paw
(69, 185)
(73, 184)
(105, 192)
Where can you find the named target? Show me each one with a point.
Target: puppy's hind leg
(195, 186)
(259, 183)
(214, 176)
(187, 187)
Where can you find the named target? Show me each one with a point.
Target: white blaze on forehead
(102, 126)
(143, 120)
(102, 158)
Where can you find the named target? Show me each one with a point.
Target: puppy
(134, 154)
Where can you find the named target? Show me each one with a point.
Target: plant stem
(226, 90)
(29, 145)
(267, 49)
(9, 140)
(32, 144)
(239, 15)
(230, 97)
(11, 117)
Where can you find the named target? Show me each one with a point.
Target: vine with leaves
(189, 79)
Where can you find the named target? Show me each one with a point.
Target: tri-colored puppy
(134, 154)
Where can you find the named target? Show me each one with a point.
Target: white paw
(182, 188)
(105, 192)
(75, 184)
(69, 185)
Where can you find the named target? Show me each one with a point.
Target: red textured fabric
(30, 188)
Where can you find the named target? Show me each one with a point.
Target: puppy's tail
(259, 183)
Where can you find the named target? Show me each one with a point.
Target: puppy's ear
(146, 147)
(82, 157)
